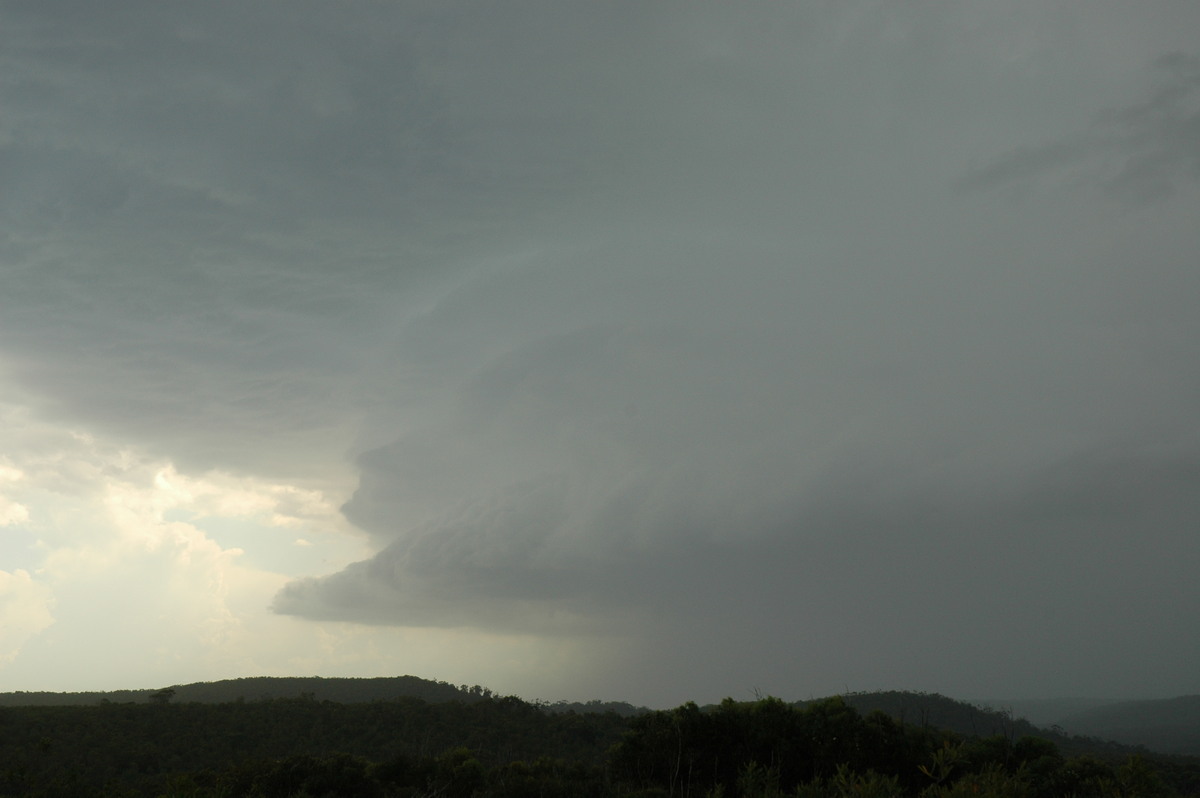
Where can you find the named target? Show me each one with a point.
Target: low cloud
(1143, 152)
(785, 346)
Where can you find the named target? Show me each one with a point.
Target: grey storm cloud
(1144, 151)
(855, 340)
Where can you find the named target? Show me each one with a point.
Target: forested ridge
(1171, 725)
(258, 688)
(480, 745)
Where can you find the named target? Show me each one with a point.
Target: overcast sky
(622, 350)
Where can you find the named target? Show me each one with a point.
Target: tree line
(494, 747)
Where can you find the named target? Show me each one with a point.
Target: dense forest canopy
(266, 687)
(466, 741)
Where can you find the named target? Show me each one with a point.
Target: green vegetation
(346, 691)
(480, 745)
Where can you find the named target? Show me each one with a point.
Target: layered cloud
(806, 347)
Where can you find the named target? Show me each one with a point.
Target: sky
(636, 351)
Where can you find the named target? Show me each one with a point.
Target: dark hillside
(142, 744)
(931, 710)
(621, 708)
(1170, 725)
(507, 748)
(1044, 712)
(344, 691)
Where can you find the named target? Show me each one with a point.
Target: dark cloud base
(852, 342)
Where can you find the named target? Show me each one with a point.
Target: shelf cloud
(795, 347)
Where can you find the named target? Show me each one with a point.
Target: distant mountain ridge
(933, 710)
(261, 688)
(1045, 712)
(940, 712)
(1168, 725)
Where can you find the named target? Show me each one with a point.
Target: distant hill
(344, 691)
(291, 736)
(1044, 712)
(1169, 725)
(937, 711)
(621, 708)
